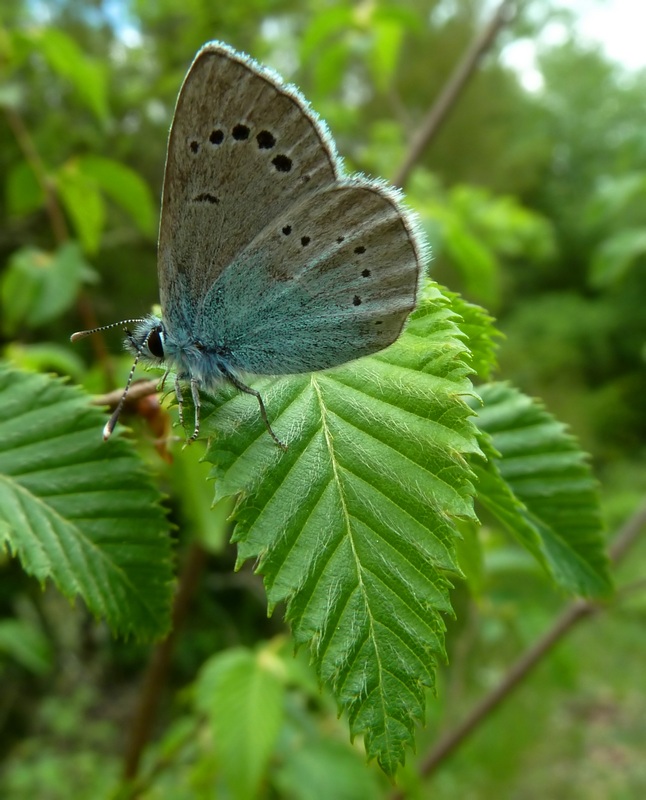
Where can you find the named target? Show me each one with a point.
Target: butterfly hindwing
(331, 279)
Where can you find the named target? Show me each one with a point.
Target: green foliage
(231, 689)
(25, 644)
(538, 484)
(79, 512)
(80, 183)
(38, 287)
(352, 526)
(533, 203)
(616, 214)
(475, 232)
(67, 60)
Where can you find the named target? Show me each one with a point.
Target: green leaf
(46, 357)
(331, 67)
(326, 24)
(326, 769)
(79, 511)
(475, 261)
(83, 203)
(242, 693)
(353, 525)
(125, 187)
(482, 336)
(38, 286)
(87, 76)
(23, 192)
(26, 644)
(538, 483)
(470, 557)
(616, 256)
(388, 36)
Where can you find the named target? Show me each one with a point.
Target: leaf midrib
(329, 442)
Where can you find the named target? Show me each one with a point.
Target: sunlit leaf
(87, 75)
(241, 693)
(125, 187)
(388, 36)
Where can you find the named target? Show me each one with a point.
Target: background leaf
(125, 187)
(242, 694)
(23, 192)
(539, 485)
(79, 511)
(38, 286)
(84, 204)
(616, 256)
(87, 75)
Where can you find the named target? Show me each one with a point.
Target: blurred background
(533, 196)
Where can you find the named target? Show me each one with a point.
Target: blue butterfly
(271, 260)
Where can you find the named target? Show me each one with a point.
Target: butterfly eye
(156, 343)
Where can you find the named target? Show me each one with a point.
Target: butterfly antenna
(82, 334)
(112, 422)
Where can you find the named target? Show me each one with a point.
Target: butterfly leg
(263, 411)
(195, 385)
(180, 400)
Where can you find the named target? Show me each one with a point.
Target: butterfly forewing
(243, 148)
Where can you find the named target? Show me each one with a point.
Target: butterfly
(271, 260)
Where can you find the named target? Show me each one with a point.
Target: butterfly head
(148, 340)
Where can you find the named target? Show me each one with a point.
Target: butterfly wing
(243, 147)
(330, 279)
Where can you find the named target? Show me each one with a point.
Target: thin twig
(573, 613)
(58, 225)
(136, 391)
(32, 157)
(156, 676)
(439, 111)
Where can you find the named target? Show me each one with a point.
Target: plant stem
(573, 614)
(156, 676)
(439, 111)
(58, 225)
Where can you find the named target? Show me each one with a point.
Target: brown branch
(156, 676)
(32, 157)
(58, 225)
(574, 613)
(136, 391)
(466, 68)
